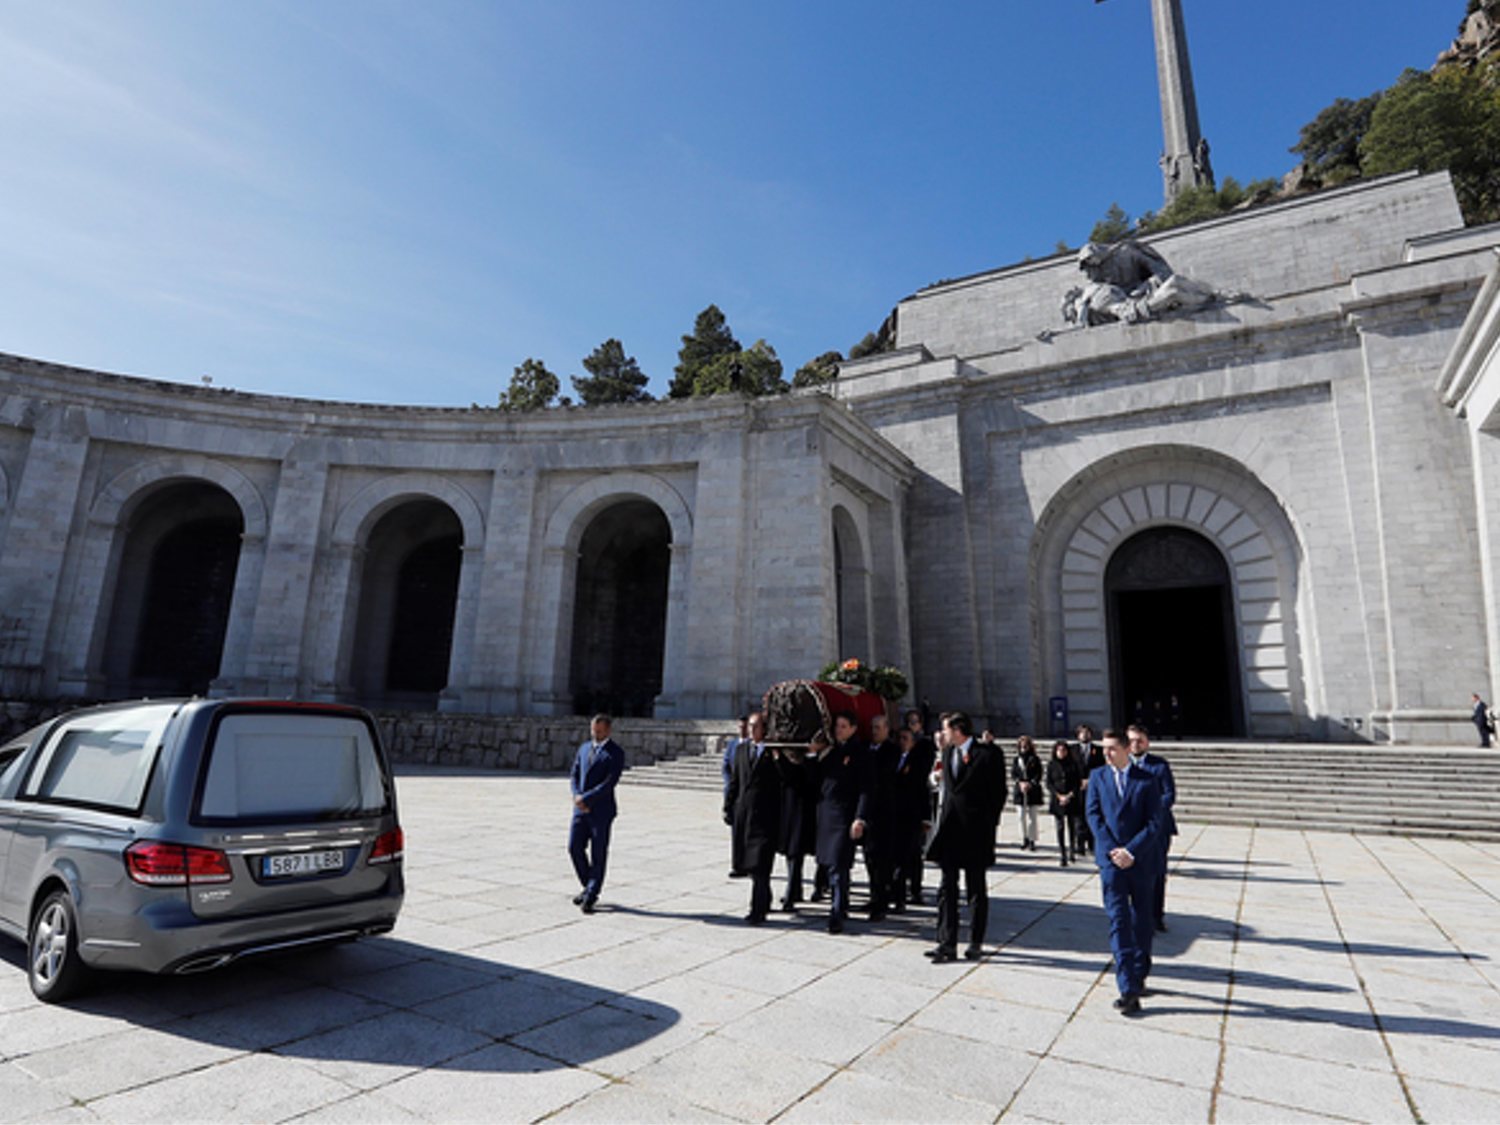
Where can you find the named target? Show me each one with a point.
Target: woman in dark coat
(1027, 774)
(1066, 805)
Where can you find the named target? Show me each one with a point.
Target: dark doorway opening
(620, 610)
(407, 602)
(1173, 659)
(422, 629)
(174, 590)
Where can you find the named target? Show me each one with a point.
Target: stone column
(36, 543)
(495, 670)
(285, 581)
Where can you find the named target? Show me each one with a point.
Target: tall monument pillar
(1184, 161)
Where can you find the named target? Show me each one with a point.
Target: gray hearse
(177, 836)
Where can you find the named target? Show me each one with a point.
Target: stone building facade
(1263, 518)
(157, 538)
(1292, 433)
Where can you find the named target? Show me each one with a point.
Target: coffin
(796, 710)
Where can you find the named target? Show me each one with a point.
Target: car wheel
(53, 966)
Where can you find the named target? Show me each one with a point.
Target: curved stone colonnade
(668, 559)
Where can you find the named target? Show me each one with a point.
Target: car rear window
(102, 761)
(275, 767)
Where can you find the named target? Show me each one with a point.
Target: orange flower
(850, 665)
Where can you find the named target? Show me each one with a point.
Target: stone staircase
(1400, 790)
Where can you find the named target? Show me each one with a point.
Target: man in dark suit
(1141, 755)
(925, 750)
(970, 797)
(752, 806)
(1482, 721)
(1125, 815)
(596, 771)
(880, 842)
(912, 807)
(736, 860)
(843, 805)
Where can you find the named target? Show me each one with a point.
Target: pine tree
(710, 340)
(612, 377)
(818, 372)
(532, 387)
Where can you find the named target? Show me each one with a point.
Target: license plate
(300, 863)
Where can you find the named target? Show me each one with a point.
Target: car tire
(53, 967)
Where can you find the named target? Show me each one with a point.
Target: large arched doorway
(408, 593)
(620, 610)
(174, 586)
(1172, 646)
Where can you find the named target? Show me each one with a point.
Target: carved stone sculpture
(1129, 281)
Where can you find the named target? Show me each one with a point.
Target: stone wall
(526, 743)
(478, 741)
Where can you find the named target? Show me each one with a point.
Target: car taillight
(175, 865)
(388, 846)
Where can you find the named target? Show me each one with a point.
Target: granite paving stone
(1302, 977)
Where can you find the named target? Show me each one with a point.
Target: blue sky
(399, 202)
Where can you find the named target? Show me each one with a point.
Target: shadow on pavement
(382, 1002)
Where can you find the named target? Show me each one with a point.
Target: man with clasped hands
(1124, 809)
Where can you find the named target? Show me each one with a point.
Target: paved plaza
(1305, 977)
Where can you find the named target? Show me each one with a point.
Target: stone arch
(551, 623)
(104, 548)
(117, 499)
(851, 587)
(344, 572)
(1210, 494)
(566, 525)
(410, 568)
(366, 506)
(173, 589)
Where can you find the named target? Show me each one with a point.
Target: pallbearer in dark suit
(911, 805)
(799, 825)
(753, 804)
(1125, 815)
(970, 798)
(925, 750)
(596, 771)
(880, 842)
(843, 797)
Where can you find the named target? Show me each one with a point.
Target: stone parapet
(494, 742)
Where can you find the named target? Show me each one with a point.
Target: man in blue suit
(1125, 815)
(596, 771)
(1141, 755)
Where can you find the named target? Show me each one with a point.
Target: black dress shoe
(898, 907)
(973, 953)
(755, 919)
(835, 924)
(587, 905)
(941, 955)
(817, 896)
(579, 897)
(737, 874)
(1128, 1005)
